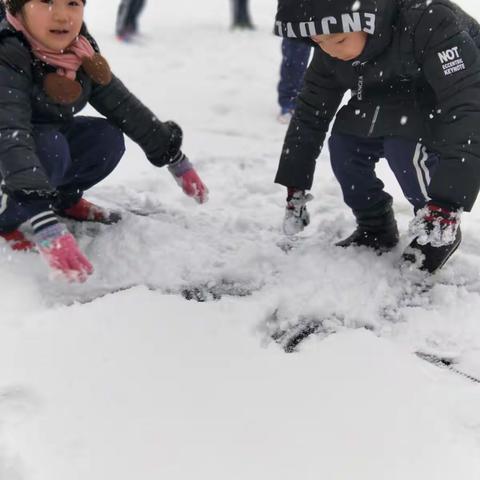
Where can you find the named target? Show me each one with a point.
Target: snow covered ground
(124, 378)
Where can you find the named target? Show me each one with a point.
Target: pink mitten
(59, 249)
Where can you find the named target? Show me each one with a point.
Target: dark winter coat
(418, 78)
(24, 104)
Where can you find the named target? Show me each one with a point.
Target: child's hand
(193, 186)
(59, 249)
(187, 178)
(296, 213)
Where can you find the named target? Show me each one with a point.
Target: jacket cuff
(180, 165)
(44, 236)
(43, 220)
(172, 149)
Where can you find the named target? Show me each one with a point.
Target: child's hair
(14, 6)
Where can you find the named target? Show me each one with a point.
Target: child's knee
(112, 140)
(337, 144)
(112, 136)
(338, 151)
(53, 152)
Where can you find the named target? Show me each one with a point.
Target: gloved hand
(59, 249)
(187, 178)
(296, 214)
(436, 235)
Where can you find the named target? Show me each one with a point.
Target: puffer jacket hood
(303, 19)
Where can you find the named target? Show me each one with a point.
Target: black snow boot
(376, 228)
(437, 236)
(431, 258)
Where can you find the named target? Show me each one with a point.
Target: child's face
(344, 46)
(54, 23)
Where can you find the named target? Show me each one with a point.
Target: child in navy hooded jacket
(413, 69)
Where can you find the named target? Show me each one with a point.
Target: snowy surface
(124, 378)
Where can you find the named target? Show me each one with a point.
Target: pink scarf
(67, 62)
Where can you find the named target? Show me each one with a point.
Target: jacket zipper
(374, 120)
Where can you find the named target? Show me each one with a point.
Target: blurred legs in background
(295, 56)
(241, 15)
(127, 18)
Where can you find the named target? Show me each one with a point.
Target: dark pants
(241, 15)
(353, 161)
(127, 16)
(75, 159)
(295, 56)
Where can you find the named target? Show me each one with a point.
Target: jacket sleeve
(20, 168)
(316, 106)
(451, 65)
(160, 141)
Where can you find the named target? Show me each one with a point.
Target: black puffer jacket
(23, 103)
(418, 78)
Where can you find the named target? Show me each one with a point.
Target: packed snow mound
(185, 389)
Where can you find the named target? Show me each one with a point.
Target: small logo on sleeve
(451, 61)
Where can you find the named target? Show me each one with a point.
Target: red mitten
(193, 186)
(187, 177)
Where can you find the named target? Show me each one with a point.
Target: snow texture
(123, 377)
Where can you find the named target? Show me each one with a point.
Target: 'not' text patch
(451, 61)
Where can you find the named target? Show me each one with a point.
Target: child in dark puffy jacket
(50, 67)
(413, 69)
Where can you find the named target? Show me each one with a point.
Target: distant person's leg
(122, 19)
(245, 14)
(295, 56)
(127, 18)
(241, 15)
(136, 8)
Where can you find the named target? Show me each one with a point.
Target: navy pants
(353, 161)
(75, 159)
(127, 16)
(295, 56)
(241, 15)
